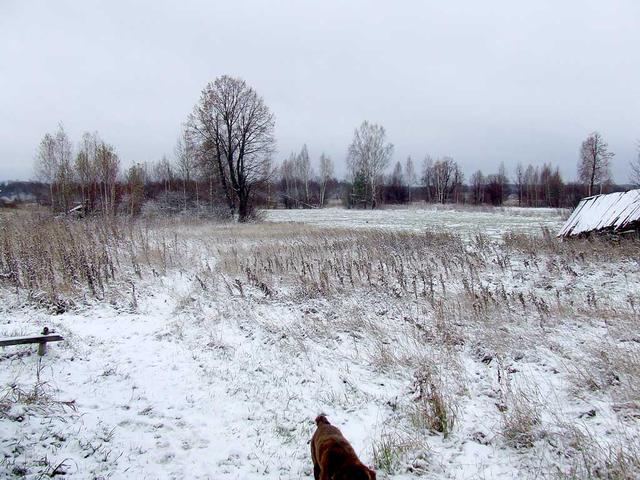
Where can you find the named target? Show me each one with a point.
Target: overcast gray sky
(484, 82)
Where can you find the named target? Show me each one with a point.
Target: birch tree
(326, 173)
(85, 166)
(64, 173)
(593, 168)
(287, 175)
(187, 163)
(107, 168)
(445, 177)
(368, 157)
(46, 164)
(427, 170)
(54, 166)
(410, 175)
(305, 172)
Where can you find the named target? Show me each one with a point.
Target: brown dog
(333, 456)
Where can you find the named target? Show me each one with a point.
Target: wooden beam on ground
(7, 341)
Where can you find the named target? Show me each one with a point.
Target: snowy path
(146, 409)
(151, 391)
(169, 392)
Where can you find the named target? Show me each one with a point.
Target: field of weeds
(209, 348)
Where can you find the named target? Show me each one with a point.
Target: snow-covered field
(201, 350)
(463, 220)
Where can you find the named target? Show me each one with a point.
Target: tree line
(223, 164)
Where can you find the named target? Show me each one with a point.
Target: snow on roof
(614, 212)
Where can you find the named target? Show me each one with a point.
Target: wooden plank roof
(615, 212)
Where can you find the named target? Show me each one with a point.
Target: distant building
(617, 212)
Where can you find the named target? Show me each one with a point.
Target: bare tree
(369, 155)
(64, 172)
(593, 168)
(635, 169)
(269, 172)
(163, 173)
(551, 185)
(233, 124)
(410, 175)
(519, 182)
(107, 168)
(187, 162)
(531, 181)
(85, 166)
(305, 171)
(503, 179)
(46, 164)
(478, 184)
(207, 166)
(288, 179)
(445, 176)
(296, 177)
(54, 166)
(326, 173)
(427, 169)
(395, 191)
(135, 178)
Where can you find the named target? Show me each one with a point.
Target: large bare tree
(369, 155)
(593, 168)
(232, 124)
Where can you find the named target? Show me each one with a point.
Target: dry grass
(39, 398)
(56, 261)
(413, 307)
(521, 420)
(432, 409)
(499, 302)
(391, 451)
(598, 458)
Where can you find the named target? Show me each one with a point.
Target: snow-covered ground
(213, 346)
(463, 220)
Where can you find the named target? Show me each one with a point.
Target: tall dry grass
(418, 306)
(55, 261)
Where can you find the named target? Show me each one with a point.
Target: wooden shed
(617, 212)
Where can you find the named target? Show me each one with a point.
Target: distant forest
(223, 164)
